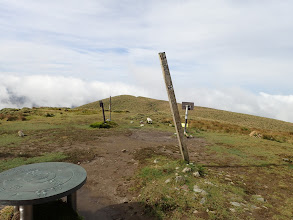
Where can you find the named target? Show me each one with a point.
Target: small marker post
(187, 106)
(186, 114)
(102, 106)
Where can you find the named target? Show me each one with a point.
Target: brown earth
(106, 194)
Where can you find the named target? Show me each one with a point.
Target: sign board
(183, 125)
(190, 105)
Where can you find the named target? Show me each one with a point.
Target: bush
(2, 116)
(107, 124)
(49, 115)
(12, 118)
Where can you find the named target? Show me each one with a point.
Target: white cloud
(224, 52)
(40, 90)
(59, 91)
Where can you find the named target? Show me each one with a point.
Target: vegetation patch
(107, 124)
(18, 161)
(172, 189)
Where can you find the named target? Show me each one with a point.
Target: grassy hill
(241, 176)
(132, 104)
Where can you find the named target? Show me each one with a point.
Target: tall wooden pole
(174, 107)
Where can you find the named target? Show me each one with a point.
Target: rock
(287, 160)
(170, 125)
(186, 170)
(253, 207)
(141, 125)
(179, 179)
(196, 189)
(228, 179)
(196, 174)
(202, 201)
(255, 134)
(176, 174)
(259, 198)
(195, 212)
(20, 134)
(124, 150)
(131, 122)
(177, 168)
(125, 200)
(232, 210)
(78, 163)
(168, 180)
(156, 161)
(209, 183)
(149, 121)
(185, 188)
(237, 204)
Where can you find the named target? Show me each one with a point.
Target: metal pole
(26, 212)
(71, 200)
(173, 106)
(186, 114)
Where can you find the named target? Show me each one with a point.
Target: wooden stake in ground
(173, 105)
(102, 106)
(110, 107)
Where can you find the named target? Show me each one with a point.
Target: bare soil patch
(106, 194)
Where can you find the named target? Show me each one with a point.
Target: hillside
(134, 104)
(135, 170)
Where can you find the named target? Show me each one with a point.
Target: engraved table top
(40, 182)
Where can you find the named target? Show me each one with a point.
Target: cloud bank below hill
(60, 91)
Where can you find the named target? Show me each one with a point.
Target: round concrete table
(38, 183)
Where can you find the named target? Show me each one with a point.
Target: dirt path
(106, 195)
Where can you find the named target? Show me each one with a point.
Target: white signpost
(187, 106)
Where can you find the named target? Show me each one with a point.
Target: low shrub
(107, 124)
(2, 116)
(49, 115)
(12, 118)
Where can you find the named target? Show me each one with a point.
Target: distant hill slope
(147, 105)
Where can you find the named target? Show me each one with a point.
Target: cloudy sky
(231, 55)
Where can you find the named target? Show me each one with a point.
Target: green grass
(18, 161)
(107, 124)
(8, 140)
(176, 200)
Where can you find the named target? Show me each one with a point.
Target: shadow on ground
(96, 208)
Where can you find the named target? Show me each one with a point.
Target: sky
(230, 55)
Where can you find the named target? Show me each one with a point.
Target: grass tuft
(107, 124)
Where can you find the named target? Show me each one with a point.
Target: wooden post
(110, 107)
(174, 107)
(102, 106)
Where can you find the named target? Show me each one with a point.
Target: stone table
(38, 183)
